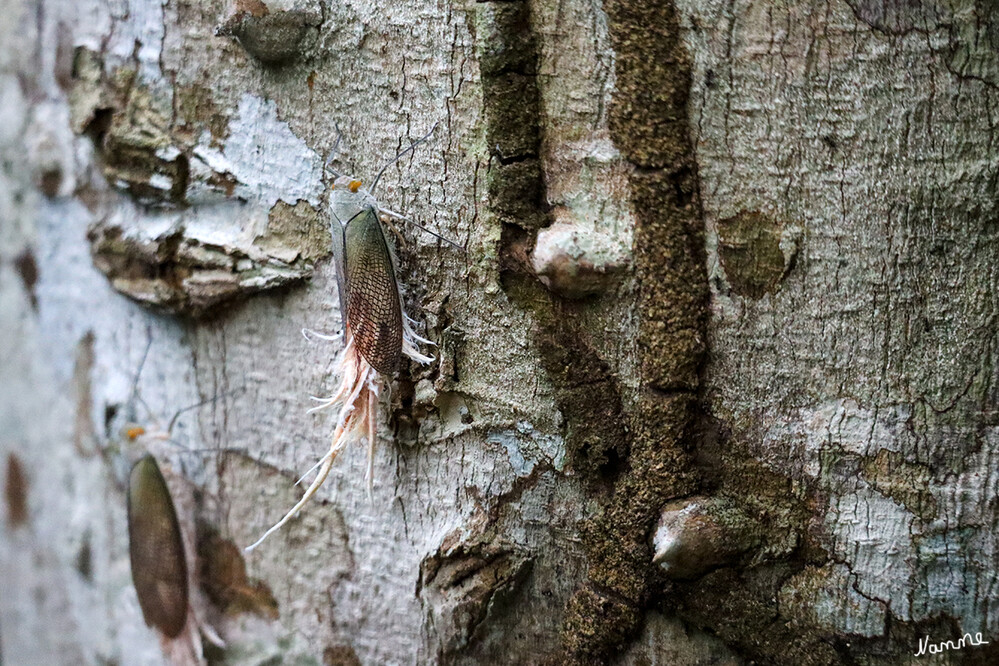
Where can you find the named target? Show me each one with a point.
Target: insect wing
(337, 233)
(373, 307)
(156, 549)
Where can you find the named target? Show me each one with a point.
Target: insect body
(156, 549)
(160, 549)
(377, 332)
(369, 294)
(159, 558)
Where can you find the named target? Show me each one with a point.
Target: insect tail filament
(187, 648)
(357, 396)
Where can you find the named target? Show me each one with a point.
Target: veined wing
(374, 310)
(156, 549)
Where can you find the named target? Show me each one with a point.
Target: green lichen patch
(515, 192)
(782, 506)
(648, 114)
(511, 109)
(673, 287)
(750, 253)
(295, 233)
(504, 39)
(779, 507)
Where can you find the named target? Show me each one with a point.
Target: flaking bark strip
(507, 53)
(515, 193)
(648, 124)
(608, 609)
(673, 298)
(583, 383)
(586, 391)
(146, 139)
(180, 273)
(467, 585)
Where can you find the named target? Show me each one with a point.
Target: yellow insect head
(353, 186)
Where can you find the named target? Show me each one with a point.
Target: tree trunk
(715, 374)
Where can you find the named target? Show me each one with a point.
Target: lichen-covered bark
(848, 165)
(715, 376)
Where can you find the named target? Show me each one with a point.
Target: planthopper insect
(156, 549)
(159, 557)
(377, 333)
(160, 548)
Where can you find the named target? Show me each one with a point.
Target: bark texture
(715, 378)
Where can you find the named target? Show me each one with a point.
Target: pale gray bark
(863, 135)
(842, 466)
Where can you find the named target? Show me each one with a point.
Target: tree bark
(715, 374)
